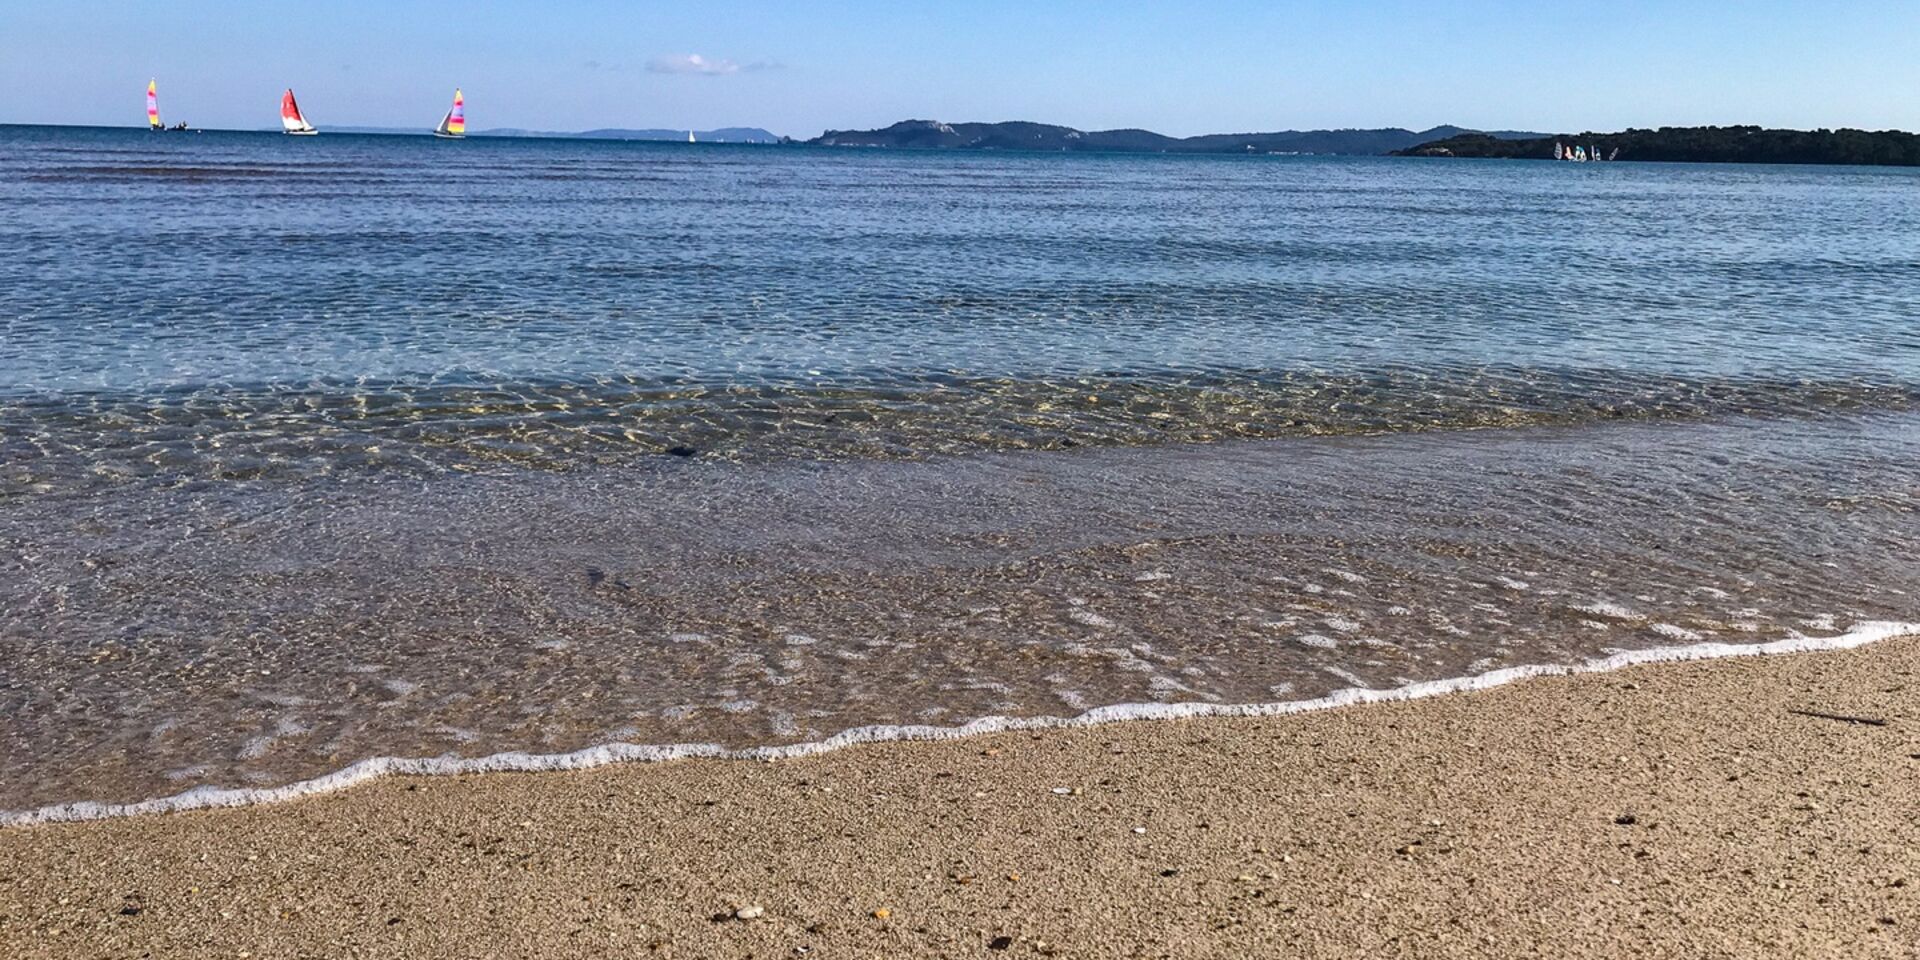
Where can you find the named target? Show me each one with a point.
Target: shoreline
(378, 768)
(1684, 808)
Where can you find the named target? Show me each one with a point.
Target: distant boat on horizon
(291, 122)
(453, 126)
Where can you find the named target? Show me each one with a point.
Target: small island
(1738, 144)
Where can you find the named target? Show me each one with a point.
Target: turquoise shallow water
(314, 450)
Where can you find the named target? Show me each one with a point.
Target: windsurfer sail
(153, 107)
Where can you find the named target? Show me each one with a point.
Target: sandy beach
(1719, 808)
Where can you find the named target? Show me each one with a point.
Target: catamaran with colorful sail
(290, 119)
(153, 112)
(454, 124)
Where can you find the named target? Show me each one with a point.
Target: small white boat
(291, 121)
(453, 126)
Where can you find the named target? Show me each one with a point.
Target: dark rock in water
(682, 451)
(595, 575)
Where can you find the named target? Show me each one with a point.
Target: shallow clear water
(238, 305)
(315, 449)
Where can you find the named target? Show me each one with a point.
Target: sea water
(320, 450)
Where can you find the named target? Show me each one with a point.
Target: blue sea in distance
(236, 304)
(314, 450)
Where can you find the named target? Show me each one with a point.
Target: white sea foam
(1609, 611)
(1675, 632)
(1091, 619)
(202, 798)
(1348, 676)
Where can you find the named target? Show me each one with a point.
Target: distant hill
(1020, 135)
(722, 135)
(1699, 145)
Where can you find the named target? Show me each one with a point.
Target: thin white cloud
(692, 63)
(697, 64)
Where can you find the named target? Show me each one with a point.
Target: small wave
(203, 798)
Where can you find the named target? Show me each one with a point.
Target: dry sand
(1678, 810)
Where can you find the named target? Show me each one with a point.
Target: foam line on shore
(202, 798)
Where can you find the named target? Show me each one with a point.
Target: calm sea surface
(320, 449)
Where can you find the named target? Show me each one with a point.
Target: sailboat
(290, 119)
(454, 124)
(690, 136)
(153, 107)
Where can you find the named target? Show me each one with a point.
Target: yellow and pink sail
(454, 124)
(153, 106)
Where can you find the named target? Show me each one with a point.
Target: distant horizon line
(386, 130)
(511, 132)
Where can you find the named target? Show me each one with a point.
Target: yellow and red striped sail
(153, 107)
(454, 124)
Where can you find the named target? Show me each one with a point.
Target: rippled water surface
(315, 449)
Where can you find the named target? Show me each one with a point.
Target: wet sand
(1687, 809)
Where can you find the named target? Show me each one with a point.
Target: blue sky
(797, 67)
